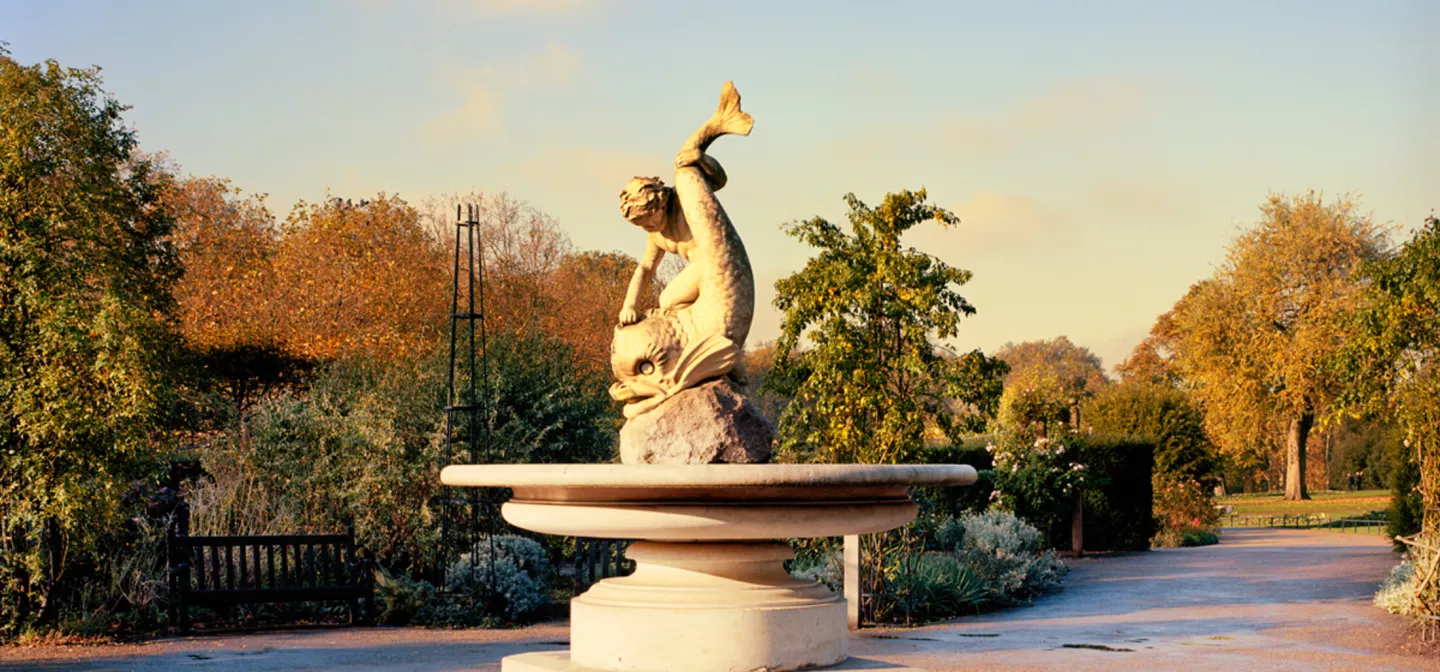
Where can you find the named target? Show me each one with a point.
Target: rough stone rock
(706, 424)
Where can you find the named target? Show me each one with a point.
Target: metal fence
(1305, 521)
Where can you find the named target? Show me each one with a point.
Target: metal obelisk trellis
(467, 514)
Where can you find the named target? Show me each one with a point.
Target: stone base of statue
(711, 423)
(559, 661)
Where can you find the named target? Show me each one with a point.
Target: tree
(534, 282)
(227, 245)
(361, 280)
(227, 298)
(520, 248)
(86, 341)
(1048, 381)
(1255, 342)
(584, 293)
(1153, 359)
(874, 378)
(1393, 360)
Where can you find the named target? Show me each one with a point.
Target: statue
(695, 336)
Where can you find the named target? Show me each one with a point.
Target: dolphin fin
(712, 356)
(728, 119)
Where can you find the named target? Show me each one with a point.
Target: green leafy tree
(1256, 341)
(86, 344)
(1393, 359)
(875, 378)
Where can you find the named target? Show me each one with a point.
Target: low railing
(597, 559)
(1305, 521)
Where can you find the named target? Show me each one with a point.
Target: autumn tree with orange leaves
(359, 280)
(1255, 343)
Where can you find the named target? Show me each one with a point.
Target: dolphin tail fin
(728, 119)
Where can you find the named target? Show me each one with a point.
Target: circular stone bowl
(709, 592)
(708, 502)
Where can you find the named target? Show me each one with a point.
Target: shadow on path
(1259, 600)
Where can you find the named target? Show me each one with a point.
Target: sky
(1100, 155)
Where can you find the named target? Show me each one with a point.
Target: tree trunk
(1077, 526)
(1295, 456)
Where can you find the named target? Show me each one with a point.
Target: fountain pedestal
(710, 592)
(730, 604)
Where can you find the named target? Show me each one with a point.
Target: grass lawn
(1332, 503)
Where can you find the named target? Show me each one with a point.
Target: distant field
(1333, 504)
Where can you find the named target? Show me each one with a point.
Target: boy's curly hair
(644, 195)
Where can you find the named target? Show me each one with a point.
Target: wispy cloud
(1069, 110)
(483, 90)
(586, 171)
(1073, 111)
(490, 8)
(993, 220)
(1139, 198)
(994, 223)
(493, 7)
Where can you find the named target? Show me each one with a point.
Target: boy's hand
(688, 157)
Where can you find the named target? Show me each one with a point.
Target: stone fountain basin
(709, 502)
(709, 592)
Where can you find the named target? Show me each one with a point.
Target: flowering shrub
(1035, 480)
(1004, 552)
(509, 573)
(1184, 509)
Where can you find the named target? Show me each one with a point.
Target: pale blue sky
(1100, 154)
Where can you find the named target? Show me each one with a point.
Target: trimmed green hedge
(1118, 515)
(952, 501)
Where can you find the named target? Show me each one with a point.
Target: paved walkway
(1260, 600)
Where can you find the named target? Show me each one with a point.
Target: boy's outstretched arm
(649, 261)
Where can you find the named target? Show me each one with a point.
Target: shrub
(508, 574)
(1185, 537)
(825, 567)
(1185, 465)
(1005, 553)
(908, 586)
(400, 597)
(362, 448)
(1406, 508)
(938, 586)
(1397, 592)
(951, 502)
(1181, 504)
(1036, 478)
(1119, 509)
(1198, 538)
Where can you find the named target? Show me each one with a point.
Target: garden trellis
(467, 517)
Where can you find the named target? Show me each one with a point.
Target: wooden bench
(230, 570)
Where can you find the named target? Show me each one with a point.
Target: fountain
(710, 592)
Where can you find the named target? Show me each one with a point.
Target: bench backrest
(267, 561)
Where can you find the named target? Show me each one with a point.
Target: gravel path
(1259, 600)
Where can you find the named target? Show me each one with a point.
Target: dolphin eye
(646, 367)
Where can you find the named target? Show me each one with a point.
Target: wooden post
(1077, 526)
(852, 581)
